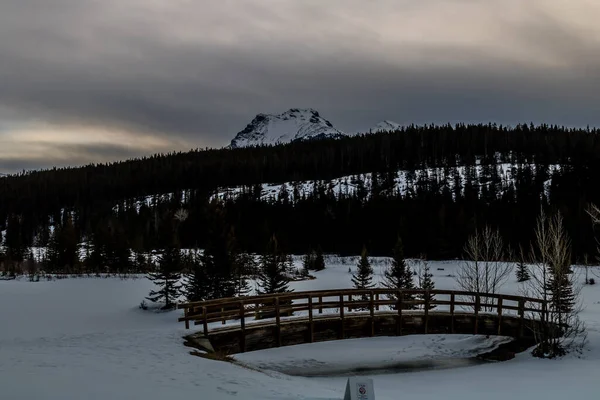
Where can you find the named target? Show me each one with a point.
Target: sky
(99, 80)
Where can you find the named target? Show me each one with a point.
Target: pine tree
(308, 263)
(560, 289)
(272, 277)
(52, 258)
(319, 260)
(426, 283)
(167, 278)
(399, 276)
(69, 246)
(522, 272)
(140, 262)
(363, 278)
(313, 261)
(32, 271)
(195, 287)
(97, 255)
(16, 249)
(220, 261)
(243, 264)
(116, 248)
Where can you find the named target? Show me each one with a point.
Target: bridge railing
(341, 303)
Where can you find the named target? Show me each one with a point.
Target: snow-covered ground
(87, 339)
(404, 182)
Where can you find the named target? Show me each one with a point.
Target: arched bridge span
(240, 324)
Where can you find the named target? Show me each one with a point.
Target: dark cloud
(196, 72)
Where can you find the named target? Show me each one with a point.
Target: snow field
(87, 338)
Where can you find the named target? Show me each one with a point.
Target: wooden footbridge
(240, 324)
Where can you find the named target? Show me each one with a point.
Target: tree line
(111, 217)
(91, 189)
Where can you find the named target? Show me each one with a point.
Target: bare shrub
(485, 269)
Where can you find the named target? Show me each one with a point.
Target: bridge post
(243, 327)
(185, 314)
(499, 315)
(426, 322)
(377, 301)
(521, 317)
(452, 300)
(278, 321)
(477, 306)
(320, 305)
(311, 325)
(372, 312)
(543, 318)
(205, 322)
(400, 296)
(341, 316)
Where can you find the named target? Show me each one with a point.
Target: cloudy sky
(95, 80)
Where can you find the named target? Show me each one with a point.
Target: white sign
(359, 389)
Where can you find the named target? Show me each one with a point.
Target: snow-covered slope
(386, 126)
(403, 184)
(294, 124)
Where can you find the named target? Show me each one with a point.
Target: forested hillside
(433, 185)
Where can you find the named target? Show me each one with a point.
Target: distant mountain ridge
(386, 126)
(294, 125)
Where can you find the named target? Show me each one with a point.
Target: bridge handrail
(333, 292)
(370, 300)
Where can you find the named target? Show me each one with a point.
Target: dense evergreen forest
(432, 185)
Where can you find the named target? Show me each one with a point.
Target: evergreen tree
(272, 277)
(69, 246)
(399, 276)
(426, 283)
(308, 263)
(560, 289)
(140, 261)
(32, 270)
(195, 287)
(116, 248)
(167, 278)
(220, 259)
(522, 272)
(244, 263)
(16, 249)
(52, 258)
(62, 252)
(363, 278)
(319, 260)
(288, 262)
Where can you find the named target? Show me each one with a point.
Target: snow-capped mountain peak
(386, 126)
(292, 125)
